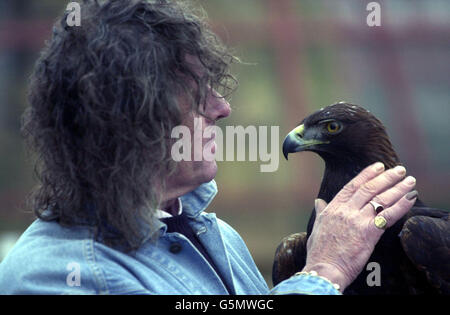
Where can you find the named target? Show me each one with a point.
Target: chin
(208, 171)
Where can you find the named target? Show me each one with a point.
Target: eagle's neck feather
(335, 177)
(339, 172)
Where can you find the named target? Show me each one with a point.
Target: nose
(217, 107)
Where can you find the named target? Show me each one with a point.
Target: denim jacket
(52, 259)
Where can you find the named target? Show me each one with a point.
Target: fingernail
(410, 180)
(400, 170)
(411, 195)
(316, 203)
(379, 166)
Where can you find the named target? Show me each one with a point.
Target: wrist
(329, 272)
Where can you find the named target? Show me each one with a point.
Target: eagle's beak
(293, 140)
(296, 141)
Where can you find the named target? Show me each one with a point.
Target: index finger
(363, 177)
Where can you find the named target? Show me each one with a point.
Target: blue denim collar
(194, 203)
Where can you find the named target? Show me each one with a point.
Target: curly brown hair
(103, 101)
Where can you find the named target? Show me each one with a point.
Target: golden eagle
(413, 254)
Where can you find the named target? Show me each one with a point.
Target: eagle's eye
(333, 127)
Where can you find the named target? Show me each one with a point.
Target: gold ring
(376, 206)
(380, 222)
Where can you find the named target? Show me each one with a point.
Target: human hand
(344, 233)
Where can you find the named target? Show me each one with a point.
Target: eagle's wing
(290, 257)
(425, 237)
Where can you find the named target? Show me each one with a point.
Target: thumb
(319, 205)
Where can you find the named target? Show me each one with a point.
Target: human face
(190, 174)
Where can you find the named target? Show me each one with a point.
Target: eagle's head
(344, 135)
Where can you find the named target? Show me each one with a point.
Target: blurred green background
(300, 56)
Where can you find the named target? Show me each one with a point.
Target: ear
(319, 205)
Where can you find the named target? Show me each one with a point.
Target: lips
(213, 147)
(213, 132)
(210, 143)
